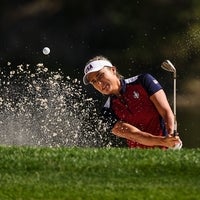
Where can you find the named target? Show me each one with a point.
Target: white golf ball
(46, 50)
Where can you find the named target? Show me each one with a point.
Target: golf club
(168, 66)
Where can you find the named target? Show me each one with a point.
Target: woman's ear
(114, 70)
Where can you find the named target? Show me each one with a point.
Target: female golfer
(138, 105)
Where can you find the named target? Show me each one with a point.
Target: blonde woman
(138, 106)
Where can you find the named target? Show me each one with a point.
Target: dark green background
(136, 35)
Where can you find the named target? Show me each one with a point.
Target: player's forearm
(169, 122)
(130, 132)
(146, 138)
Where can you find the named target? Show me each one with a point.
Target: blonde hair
(104, 58)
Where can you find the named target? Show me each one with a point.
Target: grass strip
(98, 173)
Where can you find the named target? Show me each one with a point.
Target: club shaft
(168, 66)
(175, 121)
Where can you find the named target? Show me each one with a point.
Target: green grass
(90, 173)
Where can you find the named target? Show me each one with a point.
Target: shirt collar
(123, 86)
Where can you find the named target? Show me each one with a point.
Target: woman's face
(105, 81)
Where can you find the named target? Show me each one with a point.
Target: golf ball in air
(46, 50)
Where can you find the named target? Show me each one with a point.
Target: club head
(168, 66)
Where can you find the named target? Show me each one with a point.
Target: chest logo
(136, 95)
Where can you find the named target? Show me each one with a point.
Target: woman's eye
(93, 82)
